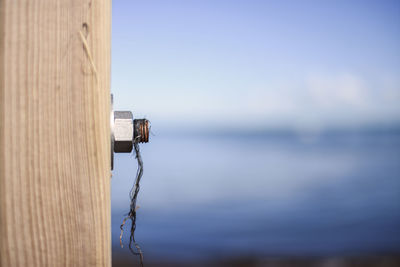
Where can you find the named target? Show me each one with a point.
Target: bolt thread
(141, 130)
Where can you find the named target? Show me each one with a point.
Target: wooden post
(54, 133)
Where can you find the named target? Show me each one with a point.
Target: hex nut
(123, 131)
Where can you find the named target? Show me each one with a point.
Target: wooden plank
(54, 133)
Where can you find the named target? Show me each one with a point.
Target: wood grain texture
(54, 133)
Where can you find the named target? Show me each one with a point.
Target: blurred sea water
(266, 194)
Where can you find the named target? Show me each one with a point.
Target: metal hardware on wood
(125, 131)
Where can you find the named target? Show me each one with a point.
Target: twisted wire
(132, 212)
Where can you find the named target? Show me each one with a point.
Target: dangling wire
(132, 212)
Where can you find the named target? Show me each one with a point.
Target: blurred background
(276, 131)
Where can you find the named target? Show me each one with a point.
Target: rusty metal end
(141, 130)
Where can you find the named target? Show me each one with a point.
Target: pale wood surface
(54, 133)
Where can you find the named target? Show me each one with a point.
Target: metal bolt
(141, 131)
(127, 131)
(123, 131)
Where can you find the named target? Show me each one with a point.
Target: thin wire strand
(132, 212)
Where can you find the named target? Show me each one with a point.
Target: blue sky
(305, 64)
